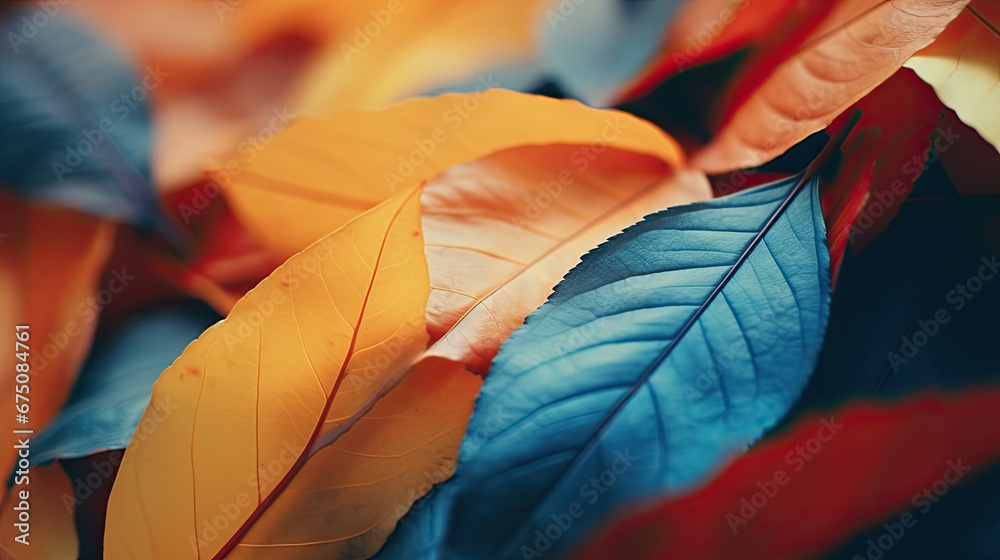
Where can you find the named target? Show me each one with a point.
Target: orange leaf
(394, 49)
(51, 261)
(832, 71)
(502, 231)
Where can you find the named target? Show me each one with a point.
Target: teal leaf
(596, 47)
(75, 127)
(668, 349)
(116, 383)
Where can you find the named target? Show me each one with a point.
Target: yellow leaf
(963, 66)
(346, 500)
(810, 88)
(395, 49)
(255, 391)
(319, 173)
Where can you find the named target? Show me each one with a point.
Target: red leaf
(870, 469)
(906, 112)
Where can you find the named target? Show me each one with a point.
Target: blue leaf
(593, 48)
(666, 350)
(74, 129)
(588, 50)
(115, 384)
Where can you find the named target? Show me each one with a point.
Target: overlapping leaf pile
(501, 280)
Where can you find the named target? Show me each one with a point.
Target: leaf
(622, 367)
(707, 30)
(403, 48)
(290, 196)
(346, 500)
(51, 261)
(844, 196)
(113, 389)
(968, 158)
(962, 65)
(217, 87)
(68, 138)
(906, 114)
(102, 413)
(871, 470)
(255, 391)
(225, 263)
(592, 48)
(810, 88)
(503, 230)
